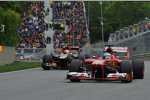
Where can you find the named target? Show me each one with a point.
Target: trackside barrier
(145, 57)
(30, 54)
(7, 55)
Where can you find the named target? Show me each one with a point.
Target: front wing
(87, 76)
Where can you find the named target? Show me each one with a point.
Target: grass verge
(19, 66)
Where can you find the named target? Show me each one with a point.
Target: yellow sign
(50, 2)
(1, 48)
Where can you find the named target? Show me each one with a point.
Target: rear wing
(118, 49)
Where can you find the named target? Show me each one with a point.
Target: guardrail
(30, 54)
(145, 56)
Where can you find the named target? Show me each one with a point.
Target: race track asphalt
(37, 84)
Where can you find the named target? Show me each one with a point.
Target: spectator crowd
(31, 30)
(131, 30)
(69, 25)
(70, 28)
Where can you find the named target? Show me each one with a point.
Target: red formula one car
(107, 67)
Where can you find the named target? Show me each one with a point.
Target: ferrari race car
(108, 67)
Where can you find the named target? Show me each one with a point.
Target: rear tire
(87, 56)
(125, 67)
(64, 64)
(81, 57)
(138, 69)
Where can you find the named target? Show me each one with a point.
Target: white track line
(19, 70)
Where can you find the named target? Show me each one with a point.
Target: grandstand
(47, 27)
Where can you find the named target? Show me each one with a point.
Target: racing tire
(138, 69)
(87, 56)
(45, 67)
(64, 64)
(126, 67)
(46, 59)
(81, 57)
(75, 80)
(75, 65)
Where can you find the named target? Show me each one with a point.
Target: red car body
(103, 68)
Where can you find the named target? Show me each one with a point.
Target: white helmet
(66, 51)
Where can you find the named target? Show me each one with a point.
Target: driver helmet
(66, 51)
(107, 55)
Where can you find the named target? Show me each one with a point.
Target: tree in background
(10, 16)
(117, 15)
(11, 20)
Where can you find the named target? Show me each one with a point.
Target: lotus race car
(60, 58)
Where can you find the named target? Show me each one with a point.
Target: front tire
(75, 65)
(126, 67)
(45, 67)
(138, 69)
(46, 59)
(75, 80)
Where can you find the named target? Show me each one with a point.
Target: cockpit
(107, 55)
